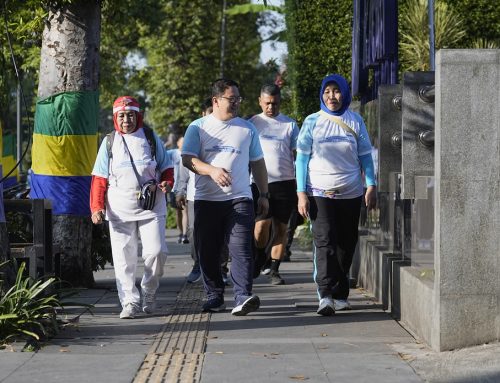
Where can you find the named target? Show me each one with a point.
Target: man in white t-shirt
(184, 194)
(218, 148)
(278, 137)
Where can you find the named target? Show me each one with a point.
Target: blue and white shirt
(278, 138)
(228, 144)
(334, 168)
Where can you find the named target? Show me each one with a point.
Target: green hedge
(319, 34)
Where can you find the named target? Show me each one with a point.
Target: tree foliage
(319, 43)
(481, 21)
(183, 57)
(414, 33)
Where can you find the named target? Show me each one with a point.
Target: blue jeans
(225, 222)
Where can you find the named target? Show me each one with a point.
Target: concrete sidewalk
(284, 341)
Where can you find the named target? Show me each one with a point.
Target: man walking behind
(218, 148)
(278, 137)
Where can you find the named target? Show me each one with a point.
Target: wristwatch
(264, 195)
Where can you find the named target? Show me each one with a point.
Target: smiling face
(127, 121)
(332, 97)
(270, 105)
(227, 105)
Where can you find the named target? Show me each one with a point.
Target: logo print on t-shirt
(223, 148)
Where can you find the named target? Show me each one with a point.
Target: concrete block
(417, 307)
(467, 174)
(389, 129)
(467, 320)
(386, 289)
(417, 117)
(396, 294)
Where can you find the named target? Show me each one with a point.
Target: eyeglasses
(233, 100)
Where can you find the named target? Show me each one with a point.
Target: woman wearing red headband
(128, 158)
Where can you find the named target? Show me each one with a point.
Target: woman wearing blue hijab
(333, 148)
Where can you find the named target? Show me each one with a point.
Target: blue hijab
(344, 89)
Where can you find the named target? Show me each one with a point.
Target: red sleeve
(168, 175)
(98, 188)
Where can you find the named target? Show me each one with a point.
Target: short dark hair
(271, 90)
(207, 103)
(220, 85)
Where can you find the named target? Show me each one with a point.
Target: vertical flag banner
(9, 160)
(65, 142)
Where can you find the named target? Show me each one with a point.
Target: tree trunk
(70, 63)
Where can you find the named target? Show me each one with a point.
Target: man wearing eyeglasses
(218, 148)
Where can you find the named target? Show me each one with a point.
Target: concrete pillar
(467, 210)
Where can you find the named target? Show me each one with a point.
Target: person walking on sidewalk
(278, 137)
(219, 148)
(127, 159)
(181, 215)
(184, 194)
(332, 149)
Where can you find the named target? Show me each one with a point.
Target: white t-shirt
(334, 165)
(228, 144)
(175, 154)
(278, 138)
(121, 198)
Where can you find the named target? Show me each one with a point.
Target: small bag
(147, 197)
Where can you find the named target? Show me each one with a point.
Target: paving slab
(284, 341)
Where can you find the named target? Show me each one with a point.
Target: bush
(27, 310)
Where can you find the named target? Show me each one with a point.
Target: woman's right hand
(98, 217)
(303, 204)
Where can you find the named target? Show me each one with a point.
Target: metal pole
(18, 130)
(222, 39)
(431, 33)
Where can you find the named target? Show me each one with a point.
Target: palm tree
(414, 32)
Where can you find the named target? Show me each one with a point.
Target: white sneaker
(249, 305)
(129, 311)
(341, 304)
(148, 302)
(326, 307)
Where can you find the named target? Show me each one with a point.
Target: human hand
(262, 207)
(303, 204)
(164, 187)
(221, 176)
(98, 216)
(371, 197)
(180, 200)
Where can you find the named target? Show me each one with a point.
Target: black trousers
(335, 234)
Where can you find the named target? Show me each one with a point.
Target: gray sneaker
(148, 302)
(326, 307)
(129, 311)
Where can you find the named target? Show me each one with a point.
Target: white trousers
(125, 245)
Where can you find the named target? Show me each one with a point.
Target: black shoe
(286, 257)
(260, 261)
(214, 305)
(275, 278)
(185, 239)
